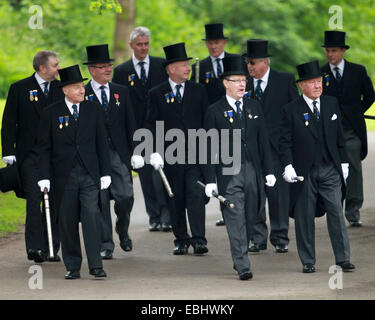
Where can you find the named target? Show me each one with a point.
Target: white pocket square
(334, 117)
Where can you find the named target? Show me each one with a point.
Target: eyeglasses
(253, 62)
(103, 67)
(237, 81)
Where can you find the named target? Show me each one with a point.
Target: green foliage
(105, 5)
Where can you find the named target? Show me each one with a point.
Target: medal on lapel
(208, 76)
(66, 121)
(131, 78)
(90, 97)
(35, 93)
(116, 95)
(31, 95)
(61, 119)
(326, 79)
(306, 116)
(166, 96)
(247, 95)
(171, 95)
(230, 115)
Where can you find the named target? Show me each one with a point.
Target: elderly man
(211, 68)
(273, 90)
(141, 73)
(120, 124)
(181, 104)
(312, 145)
(74, 164)
(244, 185)
(351, 85)
(26, 100)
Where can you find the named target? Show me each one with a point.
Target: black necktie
(338, 75)
(75, 112)
(316, 110)
(178, 93)
(143, 73)
(258, 90)
(239, 111)
(219, 71)
(45, 91)
(104, 98)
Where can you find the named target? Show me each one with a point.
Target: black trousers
(80, 203)
(36, 227)
(188, 197)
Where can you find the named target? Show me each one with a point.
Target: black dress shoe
(98, 273)
(355, 223)
(126, 244)
(220, 223)
(37, 255)
(154, 227)
(346, 266)
(55, 258)
(166, 227)
(246, 276)
(72, 274)
(281, 248)
(106, 254)
(308, 268)
(257, 247)
(200, 248)
(180, 249)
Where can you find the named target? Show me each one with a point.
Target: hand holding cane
(223, 200)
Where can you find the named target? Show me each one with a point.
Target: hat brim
(232, 73)
(63, 84)
(99, 61)
(176, 60)
(335, 45)
(256, 57)
(312, 76)
(216, 38)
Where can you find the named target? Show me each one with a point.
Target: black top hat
(257, 48)
(10, 180)
(233, 65)
(308, 70)
(214, 31)
(335, 39)
(175, 52)
(98, 53)
(70, 75)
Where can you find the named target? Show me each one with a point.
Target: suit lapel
(312, 123)
(90, 91)
(69, 130)
(225, 110)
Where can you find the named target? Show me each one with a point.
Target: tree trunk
(124, 26)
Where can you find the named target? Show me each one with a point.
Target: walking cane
(196, 70)
(48, 218)
(223, 200)
(165, 182)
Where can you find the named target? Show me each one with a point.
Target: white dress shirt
(41, 81)
(137, 67)
(173, 86)
(232, 101)
(98, 92)
(341, 66)
(264, 82)
(310, 103)
(214, 63)
(70, 106)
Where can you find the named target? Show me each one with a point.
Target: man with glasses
(211, 68)
(26, 100)
(312, 145)
(351, 85)
(120, 124)
(273, 90)
(243, 184)
(141, 73)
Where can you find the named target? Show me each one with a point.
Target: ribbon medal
(247, 95)
(66, 121)
(33, 95)
(131, 78)
(230, 114)
(208, 76)
(326, 78)
(116, 95)
(171, 95)
(166, 96)
(61, 119)
(306, 116)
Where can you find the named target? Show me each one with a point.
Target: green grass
(370, 123)
(12, 209)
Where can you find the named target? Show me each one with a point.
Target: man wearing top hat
(74, 164)
(212, 67)
(312, 146)
(244, 185)
(180, 104)
(26, 100)
(120, 125)
(273, 90)
(351, 85)
(139, 74)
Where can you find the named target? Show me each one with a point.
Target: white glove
(44, 184)
(137, 161)
(156, 160)
(105, 182)
(345, 170)
(270, 180)
(289, 174)
(9, 160)
(210, 187)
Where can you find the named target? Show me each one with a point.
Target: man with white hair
(141, 73)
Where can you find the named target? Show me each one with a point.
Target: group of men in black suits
(81, 148)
